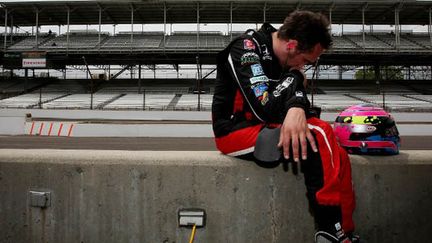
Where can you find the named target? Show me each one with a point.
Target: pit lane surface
(150, 143)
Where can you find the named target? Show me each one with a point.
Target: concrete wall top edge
(168, 158)
(404, 157)
(162, 158)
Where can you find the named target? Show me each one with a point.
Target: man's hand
(295, 130)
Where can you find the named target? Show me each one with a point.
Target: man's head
(302, 38)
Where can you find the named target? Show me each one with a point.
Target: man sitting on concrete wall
(260, 85)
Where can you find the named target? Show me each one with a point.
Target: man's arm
(268, 99)
(284, 100)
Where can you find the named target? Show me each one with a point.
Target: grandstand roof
(185, 11)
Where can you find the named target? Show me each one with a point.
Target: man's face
(297, 59)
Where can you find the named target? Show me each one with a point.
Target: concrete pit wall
(134, 196)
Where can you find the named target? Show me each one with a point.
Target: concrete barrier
(135, 196)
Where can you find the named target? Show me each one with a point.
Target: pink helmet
(368, 129)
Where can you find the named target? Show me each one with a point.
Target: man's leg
(326, 177)
(326, 215)
(239, 142)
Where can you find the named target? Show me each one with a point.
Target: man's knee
(325, 126)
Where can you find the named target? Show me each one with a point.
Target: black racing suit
(254, 68)
(253, 91)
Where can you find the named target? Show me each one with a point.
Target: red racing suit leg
(239, 142)
(336, 187)
(327, 173)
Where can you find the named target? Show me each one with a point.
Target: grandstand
(179, 41)
(134, 49)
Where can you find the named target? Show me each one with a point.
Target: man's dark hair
(307, 28)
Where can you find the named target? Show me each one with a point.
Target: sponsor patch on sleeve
(281, 87)
(259, 89)
(261, 78)
(248, 44)
(249, 58)
(264, 98)
(257, 70)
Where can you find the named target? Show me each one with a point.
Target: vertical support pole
(363, 27)
(264, 12)
(67, 29)
(132, 23)
(37, 28)
(397, 28)
(430, 26)
(139, 78)
(59, 31)
(231, 19)
(25, 78)
(5, 36)
(164, 34)
(100, 22)
(409, 72)
(198, 83)
(11, 30)
(198, 29)
(91, 93)
(144, 99)
(40, 98)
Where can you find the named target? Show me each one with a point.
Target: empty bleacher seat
(421, 39)
(76, 41)
(371, 42)
(404, 43)
(139, 40)
(30, 42)
(189, 40)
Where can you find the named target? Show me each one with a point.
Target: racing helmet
(367, 129)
